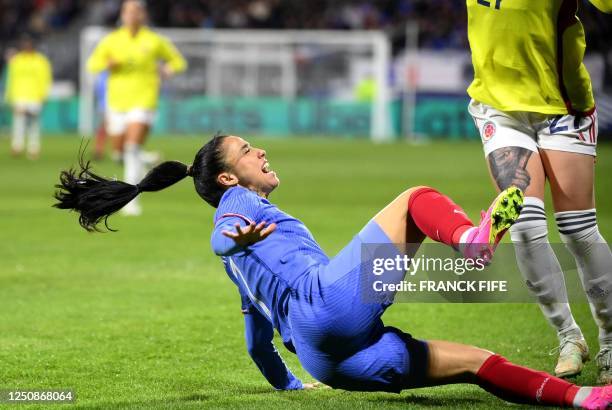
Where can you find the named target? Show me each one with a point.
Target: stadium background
(146, 318)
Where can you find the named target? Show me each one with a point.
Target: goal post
(287, 66)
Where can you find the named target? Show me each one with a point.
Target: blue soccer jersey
(267, 271)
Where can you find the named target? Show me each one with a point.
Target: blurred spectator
(442, 23)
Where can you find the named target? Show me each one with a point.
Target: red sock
(519, 384)
(437, 216)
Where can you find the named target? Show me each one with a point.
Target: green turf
(147, 318)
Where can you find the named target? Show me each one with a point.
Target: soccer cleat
(604, 364)
(501, 215)
(600, 398)
(16, 152)
(572, 355)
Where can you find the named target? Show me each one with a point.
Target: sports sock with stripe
(34, 135)
(579, 232)
(541, 269)
(19, 130)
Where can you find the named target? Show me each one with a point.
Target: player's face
(247, 166)
(26, 45)
(132, 14)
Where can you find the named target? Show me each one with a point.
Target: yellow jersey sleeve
(46, 77)
(98, 60)
(603, 5)
(169, 54)
(8, 92)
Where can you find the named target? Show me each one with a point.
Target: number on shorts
(553, 128)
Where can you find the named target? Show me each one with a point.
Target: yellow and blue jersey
(135, 82)
(528, 55)
(28, 79)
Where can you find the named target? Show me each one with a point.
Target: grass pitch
(146, 317)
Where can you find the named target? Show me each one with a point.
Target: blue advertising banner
(436, 116)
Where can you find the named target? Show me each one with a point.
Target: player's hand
(250, 234)
(314, 386)
(112, 64)
(166, 71)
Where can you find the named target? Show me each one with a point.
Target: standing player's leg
(33, 133)
(535, 257)
(513, 159)
(101, 135)
(138, 124)
(115, 127)
(117, 146)
(18, 130)
(571, 177)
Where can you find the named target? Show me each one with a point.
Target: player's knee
(477, 359)
(413, 192)
(531, 225)
(578, 226)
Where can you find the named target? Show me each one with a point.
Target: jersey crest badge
(488, 130)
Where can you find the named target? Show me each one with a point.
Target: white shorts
(32, 108)
(117, 122)
(533, 131)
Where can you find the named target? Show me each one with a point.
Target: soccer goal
(267, 82)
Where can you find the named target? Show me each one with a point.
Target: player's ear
(227, 179)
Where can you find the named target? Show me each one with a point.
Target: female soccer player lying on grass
(287, 282)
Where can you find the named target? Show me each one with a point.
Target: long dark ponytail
(96, 198)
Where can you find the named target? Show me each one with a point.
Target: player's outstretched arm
(99, 60)
(233, 234)
(259, 334)
(174, 60)
(603, 5)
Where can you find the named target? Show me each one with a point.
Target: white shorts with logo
(32, 108)
(533, 131)
(117, 121)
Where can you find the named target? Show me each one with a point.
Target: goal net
(266, 82)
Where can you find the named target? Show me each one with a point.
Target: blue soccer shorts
(339, 336)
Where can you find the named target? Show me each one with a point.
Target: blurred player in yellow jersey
(533, 104)
(132, 54)
(28, 83)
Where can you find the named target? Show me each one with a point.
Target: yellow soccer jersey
(28, 78)
(134, 83)
(527, 55)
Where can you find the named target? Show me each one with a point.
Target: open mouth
(266, 168)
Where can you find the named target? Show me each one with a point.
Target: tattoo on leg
(508, 166)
